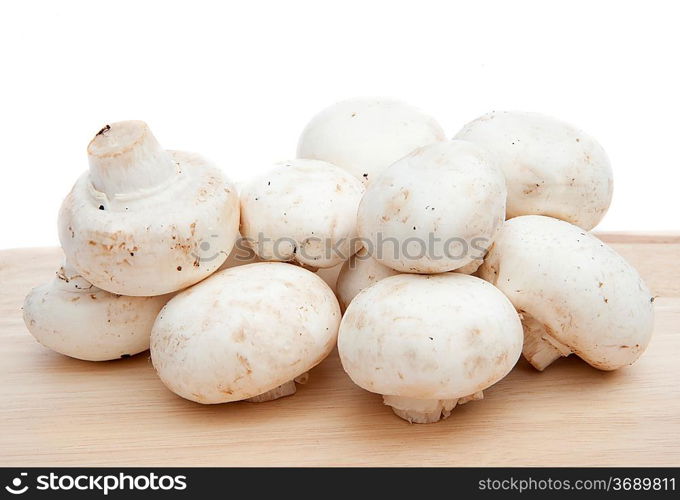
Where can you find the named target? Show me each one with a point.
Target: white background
(237, 81)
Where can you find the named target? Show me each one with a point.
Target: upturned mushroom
(247, 333)
(302, 211)
(143, 220)
(436, 210)
(428, 343)
(77, 319)
(574, 293)
(551, 167)
(366, 135)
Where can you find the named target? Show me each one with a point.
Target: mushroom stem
(125, 158)
(283, 390)
(472, 397)
(426, 411)
(540, 349)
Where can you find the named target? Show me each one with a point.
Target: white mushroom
(436, 210)
(427, 343)
(145, 221)
(366, 135)
(302, 211)
(75, 318)
(246, 332)
(574, 293)
(551, 167)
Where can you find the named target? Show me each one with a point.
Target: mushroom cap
(153, 239)
(429, 337)
(303, 211)
(77, 319)
(551, 167)
(359, 272)
(584, 293)
(436, 210)
(366, 135)
(244, 331)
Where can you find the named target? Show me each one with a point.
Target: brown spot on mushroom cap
(396, 203)
(501, 358)
(239, 335)
(199, 397)
(475, 363)
(245, 363)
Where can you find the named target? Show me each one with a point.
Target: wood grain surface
(60, 411)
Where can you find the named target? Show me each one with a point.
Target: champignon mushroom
(248, 332)
(145, 221)
(302, 211)
(427, 343)
(551, 167)
(573, 292)
(366, 135)
(436, 210)
(75, 318)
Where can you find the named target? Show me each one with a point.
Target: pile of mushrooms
(432, 264)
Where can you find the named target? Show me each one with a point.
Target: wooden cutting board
(60, 411)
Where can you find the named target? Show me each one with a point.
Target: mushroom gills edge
(426, 411)
(281, 391)
(540, 348)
